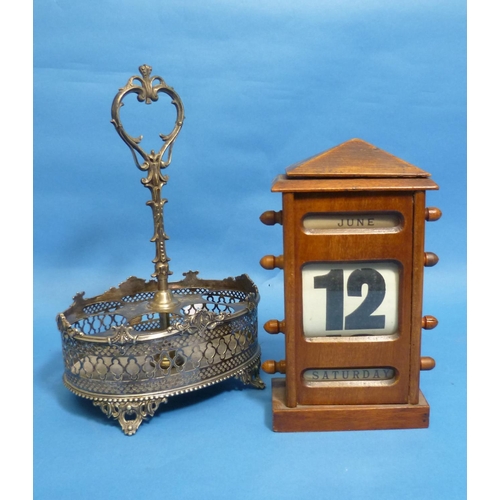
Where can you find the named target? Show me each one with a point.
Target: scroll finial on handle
(147, 88)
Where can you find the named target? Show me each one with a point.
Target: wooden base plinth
(306, 418)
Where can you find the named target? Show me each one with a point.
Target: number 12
(361, 318)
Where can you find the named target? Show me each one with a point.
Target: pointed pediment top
(354, 158)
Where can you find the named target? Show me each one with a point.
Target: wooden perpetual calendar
(353, 230)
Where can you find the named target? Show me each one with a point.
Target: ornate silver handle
(148, 88)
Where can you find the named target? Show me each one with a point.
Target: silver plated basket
(134, 346)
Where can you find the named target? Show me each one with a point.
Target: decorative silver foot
(251, 376)
(130, 414)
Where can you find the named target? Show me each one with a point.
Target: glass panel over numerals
(350, 299)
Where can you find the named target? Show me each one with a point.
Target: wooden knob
(427, 363)
(430, 259)
(270, 217)
(432, 214)
(429, 322)
(274, 326)
(272, 261)
(270, 366)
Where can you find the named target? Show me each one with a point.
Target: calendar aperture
(350, 299)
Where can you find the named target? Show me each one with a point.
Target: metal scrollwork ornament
(147, 88)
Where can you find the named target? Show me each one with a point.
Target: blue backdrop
(264, 84)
